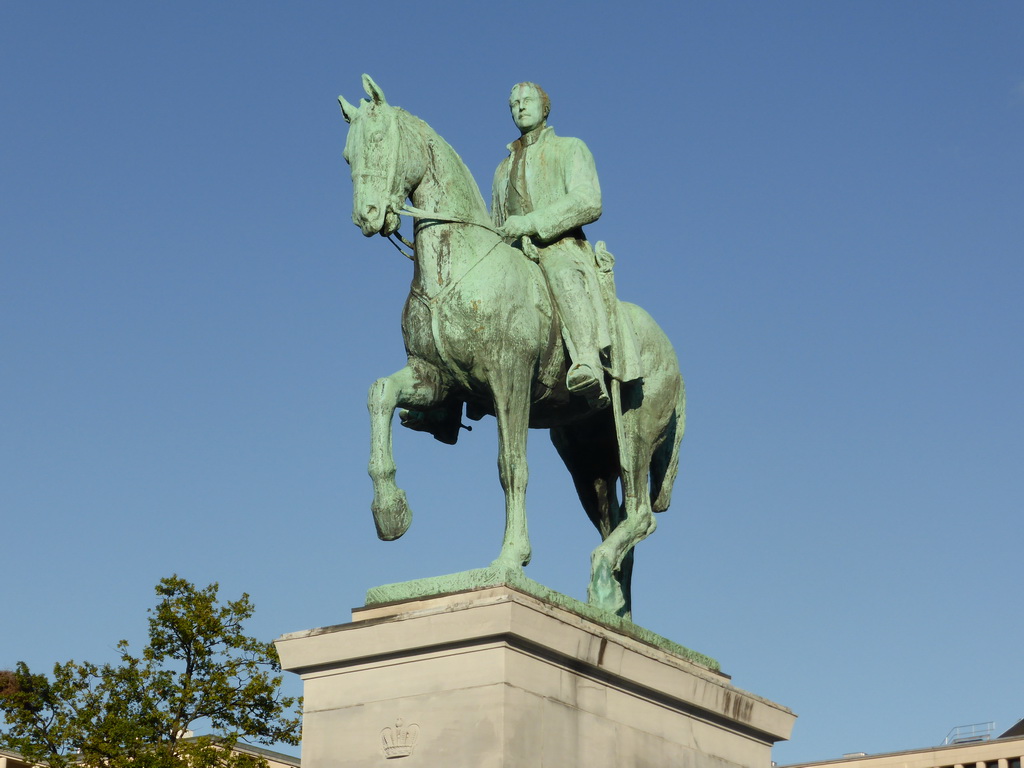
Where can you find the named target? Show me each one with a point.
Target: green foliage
(198, 669)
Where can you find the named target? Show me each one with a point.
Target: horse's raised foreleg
(512, 409)
(407, 388)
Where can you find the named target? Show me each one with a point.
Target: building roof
(944, 756)
(1015, 730)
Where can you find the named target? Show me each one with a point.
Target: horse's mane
(445, 158)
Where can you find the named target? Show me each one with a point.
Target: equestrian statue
(514, 315)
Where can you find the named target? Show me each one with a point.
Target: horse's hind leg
(590, 452)
(611, 563)
(409, 388)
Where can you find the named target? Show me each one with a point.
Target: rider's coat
(561, 192)
(556, 186)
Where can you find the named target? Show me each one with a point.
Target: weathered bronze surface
(485, 329)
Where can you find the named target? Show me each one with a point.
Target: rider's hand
(517, 226)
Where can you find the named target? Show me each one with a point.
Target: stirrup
(584, 381)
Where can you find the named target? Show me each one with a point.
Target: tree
(199, 668)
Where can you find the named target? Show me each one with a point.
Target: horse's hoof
(512, 561)
(505, 570)
(392, 516)
(604, 591)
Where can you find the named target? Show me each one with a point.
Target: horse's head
(383, 171)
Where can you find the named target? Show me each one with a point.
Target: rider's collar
(529, 139)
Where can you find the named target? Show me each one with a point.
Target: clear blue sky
(821, 202)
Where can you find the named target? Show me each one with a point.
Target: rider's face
(527, 108)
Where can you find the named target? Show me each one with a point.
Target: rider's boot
(587, 381)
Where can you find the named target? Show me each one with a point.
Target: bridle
(409, 210)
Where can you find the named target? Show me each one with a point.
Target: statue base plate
(496, 677)
(493, 576)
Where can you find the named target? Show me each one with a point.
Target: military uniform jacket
(561, 192)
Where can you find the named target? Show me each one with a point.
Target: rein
(418, 213)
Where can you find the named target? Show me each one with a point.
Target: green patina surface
(511, 313)
(496, 576)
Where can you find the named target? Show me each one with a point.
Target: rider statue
(544, 192)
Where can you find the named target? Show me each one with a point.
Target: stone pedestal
(496, 678)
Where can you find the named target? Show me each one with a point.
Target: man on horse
(546, 190)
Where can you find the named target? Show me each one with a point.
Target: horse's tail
(665, 461)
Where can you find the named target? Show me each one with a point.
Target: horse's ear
(373, 90)
(347, 109)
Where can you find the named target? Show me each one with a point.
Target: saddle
(623, 362)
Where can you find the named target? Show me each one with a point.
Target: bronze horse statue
(481, 332)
